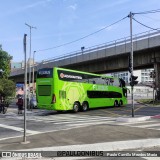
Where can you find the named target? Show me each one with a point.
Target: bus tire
(76, 107)
(120, 103)
(84, 106)
(115, 103)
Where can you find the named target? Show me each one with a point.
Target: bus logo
(62, 75)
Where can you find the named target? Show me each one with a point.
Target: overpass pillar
(157, 78)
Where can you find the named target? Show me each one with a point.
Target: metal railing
(114, 43)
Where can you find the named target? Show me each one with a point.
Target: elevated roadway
(108, 57)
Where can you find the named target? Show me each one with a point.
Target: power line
(147, 12)
(155, 19)
(82, 37)
(145, 25)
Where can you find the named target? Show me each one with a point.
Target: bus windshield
(45, 73)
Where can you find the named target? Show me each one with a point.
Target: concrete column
(157, 78)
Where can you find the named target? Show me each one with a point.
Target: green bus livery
(64, 89)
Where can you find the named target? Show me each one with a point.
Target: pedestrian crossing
(71, 120)
(153, 124)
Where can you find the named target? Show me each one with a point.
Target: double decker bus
(64, 89)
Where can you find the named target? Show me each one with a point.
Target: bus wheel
(120, 103)
(76, 107)
(84, 106)
(115, 103)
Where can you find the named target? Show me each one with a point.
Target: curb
(107, 146)
(133, 119)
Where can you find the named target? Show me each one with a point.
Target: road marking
(139, 108)
(82, 121)
(19, 129)
(68, 119)
(142, 124)
(115, 114)
(90, 123)
(149, 125)
(10, 137)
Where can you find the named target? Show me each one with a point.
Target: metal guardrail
(109, 44)
(114, 43)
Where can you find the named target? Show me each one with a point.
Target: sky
(59, 22)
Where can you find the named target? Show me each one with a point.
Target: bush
(7, 88)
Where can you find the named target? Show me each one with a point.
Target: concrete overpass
(108, 57)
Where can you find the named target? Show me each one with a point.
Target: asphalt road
(41, 121)
(49, 128)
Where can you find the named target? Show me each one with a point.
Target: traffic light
(129, 64)
(133, 80)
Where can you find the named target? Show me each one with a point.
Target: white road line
(135, 123)
(19, 129)
(95, 123)
(71, 121)
(84, 121)
(142, 126)
(65, 119)
(149, 125)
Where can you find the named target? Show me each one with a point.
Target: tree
(7, 87)
(5, 59)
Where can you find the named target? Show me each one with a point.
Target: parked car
(33, 102)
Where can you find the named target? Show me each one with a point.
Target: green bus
(64, 89)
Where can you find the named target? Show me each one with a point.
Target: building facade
(142, 89)
(143, 76)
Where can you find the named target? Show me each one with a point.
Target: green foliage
(7, 87)
(5, 59)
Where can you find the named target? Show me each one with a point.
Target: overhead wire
(155, 19)
(64, 44)
(147, 12)
(146, 25)
(82, 37)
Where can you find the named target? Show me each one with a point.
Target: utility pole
(30, 27)
(131, 57)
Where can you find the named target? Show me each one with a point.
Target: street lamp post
(25, 89)
(30, 27)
